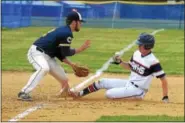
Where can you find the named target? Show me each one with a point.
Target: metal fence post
(180, 19)
(61, 13)
(114, 14)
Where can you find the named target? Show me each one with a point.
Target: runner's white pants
(43, 65)
(119, 88)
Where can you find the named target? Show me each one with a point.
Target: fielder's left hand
(73, 94)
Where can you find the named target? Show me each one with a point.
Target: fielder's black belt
(135, 85)
(42, 51)
(39, 49)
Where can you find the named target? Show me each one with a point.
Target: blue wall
(16, 15)
(171, 12)
(46, 11)
(112, 14)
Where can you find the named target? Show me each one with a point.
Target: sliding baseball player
(143, 66)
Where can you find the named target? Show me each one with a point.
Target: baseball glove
(80, 71)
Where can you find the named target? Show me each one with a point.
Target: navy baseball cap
(74, 15)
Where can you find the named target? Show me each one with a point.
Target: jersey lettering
(137, 68)
(69, 39)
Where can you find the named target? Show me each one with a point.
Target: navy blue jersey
(56, 43)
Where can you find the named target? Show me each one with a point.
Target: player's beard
(76, 27)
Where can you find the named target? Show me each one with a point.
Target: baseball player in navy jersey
(44, 51)
(143, 65)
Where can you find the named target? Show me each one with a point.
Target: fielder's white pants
(42, 64)
(119, 88)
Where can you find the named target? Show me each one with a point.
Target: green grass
(169, 47)
(140, 118)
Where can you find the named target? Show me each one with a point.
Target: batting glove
(117, 63)
(116, 60)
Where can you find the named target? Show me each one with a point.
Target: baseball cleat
(24, 96)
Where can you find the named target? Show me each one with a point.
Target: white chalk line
(30, 110)
(97, 74)
(106, 65)
(25, 113)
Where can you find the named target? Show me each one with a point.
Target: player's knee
(99, 84)
(45, 70)
(102, 83)
(109, 95)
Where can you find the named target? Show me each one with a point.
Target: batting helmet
(147, 40)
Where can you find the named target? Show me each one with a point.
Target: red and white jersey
(144, 68)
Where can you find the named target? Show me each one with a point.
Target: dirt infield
(88, 108)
